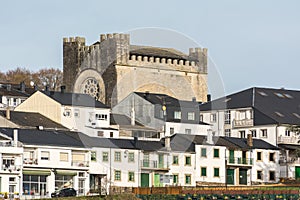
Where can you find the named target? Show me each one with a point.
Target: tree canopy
(50, 77)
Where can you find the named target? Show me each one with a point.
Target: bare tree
(48, 77)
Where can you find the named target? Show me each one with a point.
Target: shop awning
(66, 172)
(37, 172)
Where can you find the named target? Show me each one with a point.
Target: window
(216, 172)
(111, 134)
(61, 180)
(201, 118)
(34, 184)
(118, 156)
(272, 157)
(12, 179)
(131, 157)
(228, 132)
(259, 175)
(259, 157)
(101, 117)
(264, 133)
(100, 133)
(216, 153)
(253, 133)
(104, 156)
(203, 171)
(117, 175)
(227, 117)
(93, 156)
(175, 160)
(175, 178)
(242, 134)
(203, 152)
(191, 116)
(188, 131)
(177, 114)
(187, 160)
(63, 157)
(188, 179)
(67, 113)
(131, 176)
(272, 175)
(45, 155)
(171, 130)
(213, 117)
(287, 133)
(76, 113)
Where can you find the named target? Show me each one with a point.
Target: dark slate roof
(10, 89)
(28, 119)
(271, 106)
(74, 99)
(119, 119)
(183, 142)
(159, 52)
(45, 137)
(121, 143)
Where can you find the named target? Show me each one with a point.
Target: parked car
(65, 192)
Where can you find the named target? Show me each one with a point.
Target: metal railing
(240, 161)
(243, 123)
(153, 164)
(30, 161)
(288, 140)
(11, 168)
(80, 163)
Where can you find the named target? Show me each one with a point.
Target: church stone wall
(123, 73)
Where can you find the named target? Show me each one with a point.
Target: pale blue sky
(252, 43)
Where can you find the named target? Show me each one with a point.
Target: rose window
(92, 88)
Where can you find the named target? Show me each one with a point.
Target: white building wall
(196, 129)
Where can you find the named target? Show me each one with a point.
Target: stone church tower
(112, 68)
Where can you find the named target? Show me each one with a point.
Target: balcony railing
(153, 164)
(240, 161)
(242, 123)
(11, 168)
(80, 163)
(288, 140)
(30, 161)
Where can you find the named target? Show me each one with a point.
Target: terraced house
(266, 114)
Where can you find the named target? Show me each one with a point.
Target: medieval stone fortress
(141, 116)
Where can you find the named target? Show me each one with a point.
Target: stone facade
(112, 68)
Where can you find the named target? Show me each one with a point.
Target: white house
(78, 112)
(264, 113)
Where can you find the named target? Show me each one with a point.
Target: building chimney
(168, 143)
(209, 139)
(208, 98)
(194, 99)
(250, 140)
(146, 94)
(7, 113)
(62, 89)
(132, 116)
(8, 87)
(15, 137)
(22, 86)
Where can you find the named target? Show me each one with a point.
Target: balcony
(242, 123)
(80, 164)
(240, 161)
(30, 161)
(153, 165)
(287, 140)
(11, 168)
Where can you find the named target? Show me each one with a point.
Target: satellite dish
(31, 83)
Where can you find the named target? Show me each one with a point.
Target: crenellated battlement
(74, 39)
(118, 36)
(182, 65)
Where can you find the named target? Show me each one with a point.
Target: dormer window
(177, 114)
(101, 117)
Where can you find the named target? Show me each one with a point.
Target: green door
(297, 172)
(157, 182)
(230, 176)
(160, 161)
(231, 156)
(144, 180)
(243, 176)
